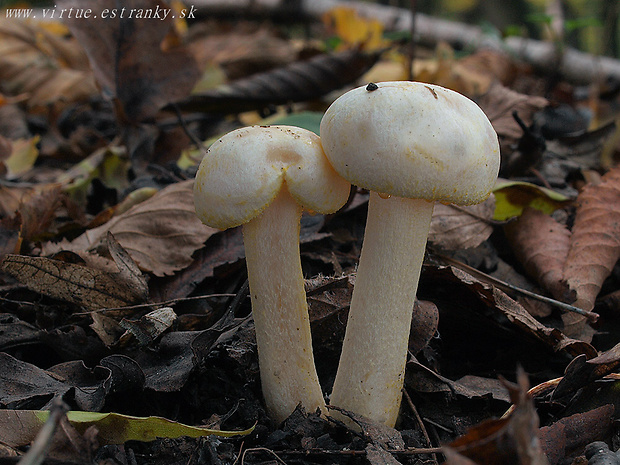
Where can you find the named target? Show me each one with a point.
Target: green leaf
(310, 120)
(511, 197)
(19, 427)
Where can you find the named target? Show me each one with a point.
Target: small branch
(574, 66)
(420, 423)
(506, 287)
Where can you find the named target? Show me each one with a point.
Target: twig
(575, 66)
(420, 422)
(506, 287)
(43, 441)
(261, 449)
(157, 304)
(362, 453)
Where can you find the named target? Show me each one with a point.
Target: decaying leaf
(113, 428)
(582, 371)
(541, 244)
(499, 104)
(511, 197)
(569, 435)
(129, 60)
(150, 327)
(354, 30)
(500, 303)
(160, 233)
(23, 155)
(454, 228)
(297, 82)
(38, 209)
(90, 287)
(233, 54)
(24, 385)
(595, 242)
(48, 68)
(507, 440)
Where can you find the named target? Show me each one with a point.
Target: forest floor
(115, 298)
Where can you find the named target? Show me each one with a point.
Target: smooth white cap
(243, 172)
(412, 140)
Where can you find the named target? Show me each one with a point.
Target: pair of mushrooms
(410, 144)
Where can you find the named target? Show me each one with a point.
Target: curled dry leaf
(454, 228)
(594, 244)
(90, 287)
(541, 244)
(160, 234)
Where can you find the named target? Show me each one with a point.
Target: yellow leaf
(511, 198)
(19, 427)
(354, 30)
(22, 158)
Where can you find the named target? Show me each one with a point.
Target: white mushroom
(410, 144)
(263, 177)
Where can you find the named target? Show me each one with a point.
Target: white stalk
(288, 374)
(372, 364)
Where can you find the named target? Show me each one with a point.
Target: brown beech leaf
(454, 228)
(541, 244)
(90, 287)
(160, 234)
(128, 56)
(297, 82)
(594, 245)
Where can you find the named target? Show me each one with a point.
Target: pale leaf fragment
(540, 243)
(594, 244)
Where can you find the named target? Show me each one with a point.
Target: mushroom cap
(412, 140)
(243, 172)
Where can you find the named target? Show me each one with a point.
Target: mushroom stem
(374, 353)
(280, 311)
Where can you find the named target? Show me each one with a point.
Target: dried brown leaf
(500, 303)
(22, 383)
(567, 437)
(89, 287)
(454, 228)
(240, 52)
(507, 440)
(541, 244)
(297, 82)
(160, 234)
(128, 58)
(38, 211)
(582, 371)
(500, 102)
(49, 69)
(594, 244)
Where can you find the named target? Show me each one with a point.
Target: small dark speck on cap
(371, 86)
